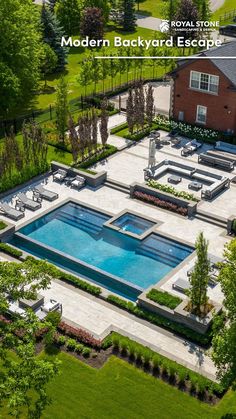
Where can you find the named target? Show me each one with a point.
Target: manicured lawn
(118, 391)
(151, 7)
(228, 6)
(76, 57)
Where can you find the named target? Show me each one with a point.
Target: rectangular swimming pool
(73, 237)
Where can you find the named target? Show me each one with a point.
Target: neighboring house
(204, 91)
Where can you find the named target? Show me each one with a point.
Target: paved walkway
(100, 318)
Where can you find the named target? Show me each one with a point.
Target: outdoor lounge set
(190, 147)
(183, 284)
(39, 193)
(38, 306)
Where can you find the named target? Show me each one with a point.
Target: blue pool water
(74, 237)
(133, 224)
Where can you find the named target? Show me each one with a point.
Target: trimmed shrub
(6, 248)
(78, 283)
(108, 151)
(164, 298)
(86, 352)
(53, 317)
(161, 321)
(61, 340)
(171, 190)
(71, 344)
(150, 199)
(79, 348)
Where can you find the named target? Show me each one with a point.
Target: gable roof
(227, 67)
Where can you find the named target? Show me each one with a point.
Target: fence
(228, 16)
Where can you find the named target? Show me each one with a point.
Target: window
(204, 82)
(201, 114)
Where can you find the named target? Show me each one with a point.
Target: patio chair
(181, 285)
(78, 182)
(28, 203)
(46, 193)
(59, 175)
(52, 305)
(10, 212)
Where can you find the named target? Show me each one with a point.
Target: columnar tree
(187, 12)
(24, 378)
(94, 129)
(74, 139)
(150, 111)
(200, 277)
(104, 122)
(62, 109)
(92, 23)
(52, 34)
(130, 111)
(224, 339)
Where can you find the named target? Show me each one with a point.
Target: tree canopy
(20, 52)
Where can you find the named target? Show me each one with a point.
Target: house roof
(227, 67)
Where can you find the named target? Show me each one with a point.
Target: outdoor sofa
(190, 147)
(10, 212)
(222, 146)
(215, 161)
(211, 191)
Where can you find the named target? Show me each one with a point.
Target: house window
(204, 82)
(201, 114)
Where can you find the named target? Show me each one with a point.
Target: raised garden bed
(163, 298)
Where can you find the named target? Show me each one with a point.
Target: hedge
(171, 190)
(108, 151)
(164, 298)
(148, 356)
(80, 334)
(2, 225)
(161, 321)
(6, 248)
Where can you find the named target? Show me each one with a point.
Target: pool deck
(100, 317)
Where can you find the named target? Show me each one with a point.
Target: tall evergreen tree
(129, 19)
(62, 109)
(200, 277)
(68, 13)
(52, 34)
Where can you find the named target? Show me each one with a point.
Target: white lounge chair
(59, 175)
(10, 212)
(78, 182)
(28, 203)
(52, 305)
(46, 193)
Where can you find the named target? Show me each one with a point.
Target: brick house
(204, 91)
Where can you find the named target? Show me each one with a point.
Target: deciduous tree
(68, 13)
(104, 122)
(61, 109)
(92, 23)
(150, 104)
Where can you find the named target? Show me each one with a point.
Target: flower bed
(80, 334)
(150, 199)
(164, 298)
(170, 189)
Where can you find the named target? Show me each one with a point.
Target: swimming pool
(74, 237)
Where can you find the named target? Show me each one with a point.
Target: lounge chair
(78, 182)
(59, 175)
(28, 203)
(45, 193)
(181, 285)
(11, 212)
(52, 305)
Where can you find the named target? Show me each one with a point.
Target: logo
(164, 26)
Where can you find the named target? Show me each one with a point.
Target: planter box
(92, 180)
(191, 206)
(180, 315)
(7, 232)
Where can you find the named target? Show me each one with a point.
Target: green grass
(75, 58)
(2, 225)
(118, 391)
(228, 6)
(151, 7)
(164, 298)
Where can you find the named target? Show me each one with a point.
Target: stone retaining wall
(91, 180)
